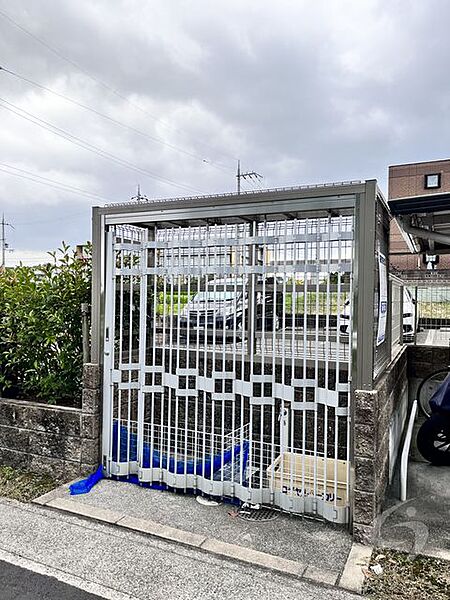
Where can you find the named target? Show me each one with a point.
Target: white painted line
(352, 578)
(87, 586)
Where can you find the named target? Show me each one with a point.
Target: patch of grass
(23, 485)
(406, 577)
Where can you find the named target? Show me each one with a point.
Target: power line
(115, 121)
(53, 220)
(24, 174)
(94, 78)
(20, 112)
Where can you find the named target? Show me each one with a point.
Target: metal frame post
(363, 288)
(98, 285)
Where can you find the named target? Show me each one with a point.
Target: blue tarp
(181, 466)
(219, 463)
(440, 400)
(85, 485)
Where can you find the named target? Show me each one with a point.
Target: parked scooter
(433, 438)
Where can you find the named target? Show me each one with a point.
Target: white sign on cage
(382, 302)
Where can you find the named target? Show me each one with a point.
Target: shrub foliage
(40, 327)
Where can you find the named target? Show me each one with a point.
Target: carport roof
(427, 203)
(232, 207)
(425, 219)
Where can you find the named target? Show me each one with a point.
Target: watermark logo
(419, 529)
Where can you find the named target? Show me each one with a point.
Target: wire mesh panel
(228, 352)
(396, 304)
(433, 314)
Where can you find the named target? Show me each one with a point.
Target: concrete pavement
(129, 564)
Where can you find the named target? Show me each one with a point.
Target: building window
(432, 181)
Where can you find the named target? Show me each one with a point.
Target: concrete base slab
(421, 524)
(297, 547)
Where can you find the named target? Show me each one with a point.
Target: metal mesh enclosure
(228, 352)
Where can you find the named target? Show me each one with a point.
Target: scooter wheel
(433, 440)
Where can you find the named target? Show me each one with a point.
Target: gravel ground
(23, 485)
(406, 577)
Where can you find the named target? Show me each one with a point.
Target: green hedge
(40, 328)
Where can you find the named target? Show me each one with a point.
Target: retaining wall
(63, 442)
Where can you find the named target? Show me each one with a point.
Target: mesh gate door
(227, 359)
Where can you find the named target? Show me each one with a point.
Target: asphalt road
(21, 584)
(119, 564)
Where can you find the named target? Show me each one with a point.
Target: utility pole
(249, 175)
(4, 245)
(238, 177)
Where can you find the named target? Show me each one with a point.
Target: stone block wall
(374, 412)
(63, 442)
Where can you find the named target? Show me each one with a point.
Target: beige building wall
(410, 180)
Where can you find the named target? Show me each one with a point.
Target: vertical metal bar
(252, 339)
(120, 361)
(188, 356)
(171, 332)
(108, 347)
(327, 349)
(85, 332)
(152, 234)
(235, 238)
(244, 332)
(305, 342)
(263, 225)
(197, 258)
(416, 315)
(274, 367)
(166, 260)
(176, 433)
(338, 357)
(142, 343)
(316, 223)
(293, 334)
(350, 420)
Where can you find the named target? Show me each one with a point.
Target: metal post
(416, 315)
(85, 331)
(4, 241)
(363, 289)
(98, 285)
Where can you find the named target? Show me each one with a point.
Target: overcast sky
(301, 91)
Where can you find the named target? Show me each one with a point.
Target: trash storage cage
(225, 326)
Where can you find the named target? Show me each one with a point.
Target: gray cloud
(303, 92)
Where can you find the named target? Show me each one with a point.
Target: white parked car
(409, 316)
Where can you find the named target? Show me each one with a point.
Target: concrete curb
(352, 578)
(249, 556)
